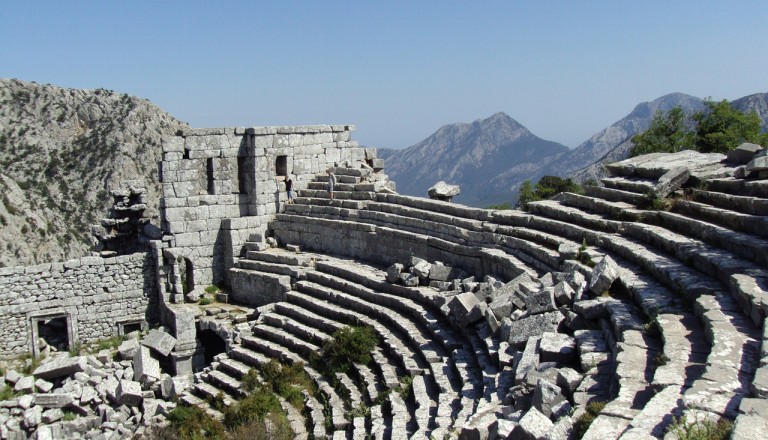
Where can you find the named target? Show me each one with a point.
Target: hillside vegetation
(61, 152)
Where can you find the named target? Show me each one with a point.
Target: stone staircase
(685, 339)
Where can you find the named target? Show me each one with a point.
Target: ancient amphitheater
(647, 293)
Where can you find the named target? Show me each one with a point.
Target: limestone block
(409, 280)
(421, 269)
(12, 376)
(25, 385)
(759, 386)
(491, 320)
(53, 400)
(26, 401)
(568, 250)
(443, 191)
(440, 272)
(501, 306)
(563, 293)
(61, 366)
(462, 306)
(541, 302)
(744, 153)
(145, 368)
(159, 341)
(129, 393)
(670, 182)
(128, 348)
(522, 329)
(557, 347)
(759, 162)
(545, 396)
(603, 275)
(52, 415)
(532, 426)
(33, 417)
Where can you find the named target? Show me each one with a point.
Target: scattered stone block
(159, 341)
(462, 307)
(62, 366)
(557, 347)
(759, 386)
(541, 302)
(440, 272)
(545, 396)
(603, 275)
(568, 250)
(568, 379)
(128, 348)
(145, 368)
(563, 294)
(743, 154)
(53, 400)
(670, 182)
(26, 401)
(759, 162)
(409, 279)
(393, 272)
(32, 417)
(532, 426)
(519, 331)
(129, 393)
(12, 376)
(25, 385)
(421, 269)
(443, 191)
(52, 415)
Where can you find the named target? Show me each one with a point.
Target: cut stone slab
(541, 302)
(440, 272)
(532, 426)
(160, 342)
(393, 272)
(53, 400)
(564, 293)
(145, 368)
(545, 396)
(128, 348)
(129, 393)
(670, 182)
(744, 153)
(749, 427)
(557, 347)
(421, 269)
(62, 366)
(462, 306)
(25, 385)
(603, 275)
(443, 191)
(518, 332)
(759, 162)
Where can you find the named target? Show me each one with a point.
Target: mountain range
(63, 150)
(490, 158)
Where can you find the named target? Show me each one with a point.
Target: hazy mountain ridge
(62, 151)
(473, 155)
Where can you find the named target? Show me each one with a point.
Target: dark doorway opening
(209, 175)
(281, 166)
(53, 332)
(129, 327)
(212, 344)
(188, 276)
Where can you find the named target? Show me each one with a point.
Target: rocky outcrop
(62, 151)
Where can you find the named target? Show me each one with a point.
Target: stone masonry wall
(219, 186)
(96, 296)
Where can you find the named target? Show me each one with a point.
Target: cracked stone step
(740, 203)
(631, 184)
(753, 224)
(616, 195)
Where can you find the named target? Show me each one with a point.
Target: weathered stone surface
(393, 272)
(759, 162)
(603, 275)
(25, 385)
(129, 393)
(440, 272)
(568, 379)
(145, 367)
(557, 347)
(443, 191)
(545, 396)
(128, 348)
(744, 153)
(53, 400)
(62, 366)
(749, 427)
(759, 385)
(563, 293)
(463, 308)
(533, 426)
(519, 331)
(159, 341)
(541, 302)
(670, 182)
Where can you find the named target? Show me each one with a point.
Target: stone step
(294, 272)
(208, 392)
(616, 195)
(744, 245)
(283, 338)
(751, 224)
(281, 256)
(614, 210)
(636, 185)
(304, 205)
(226, 383)
(743, 204)
(307, 317)
(556, 210)
(190, 399)
(296, 328)
(739, 187)
(295, 419)
(436, 206)
(324, 186)
(340, 195)
(234, 368)
(340, 178)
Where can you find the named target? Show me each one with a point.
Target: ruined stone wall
(219, 187)
(95, 295)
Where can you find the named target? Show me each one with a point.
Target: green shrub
(347, 346)
(252, 409)
(701, 429)
(7, 393)
(191, 422)
(212, 289)
(250, 380)
(581, 425)
(288, 381)
(204, 301)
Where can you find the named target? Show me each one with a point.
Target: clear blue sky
(398, 70)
